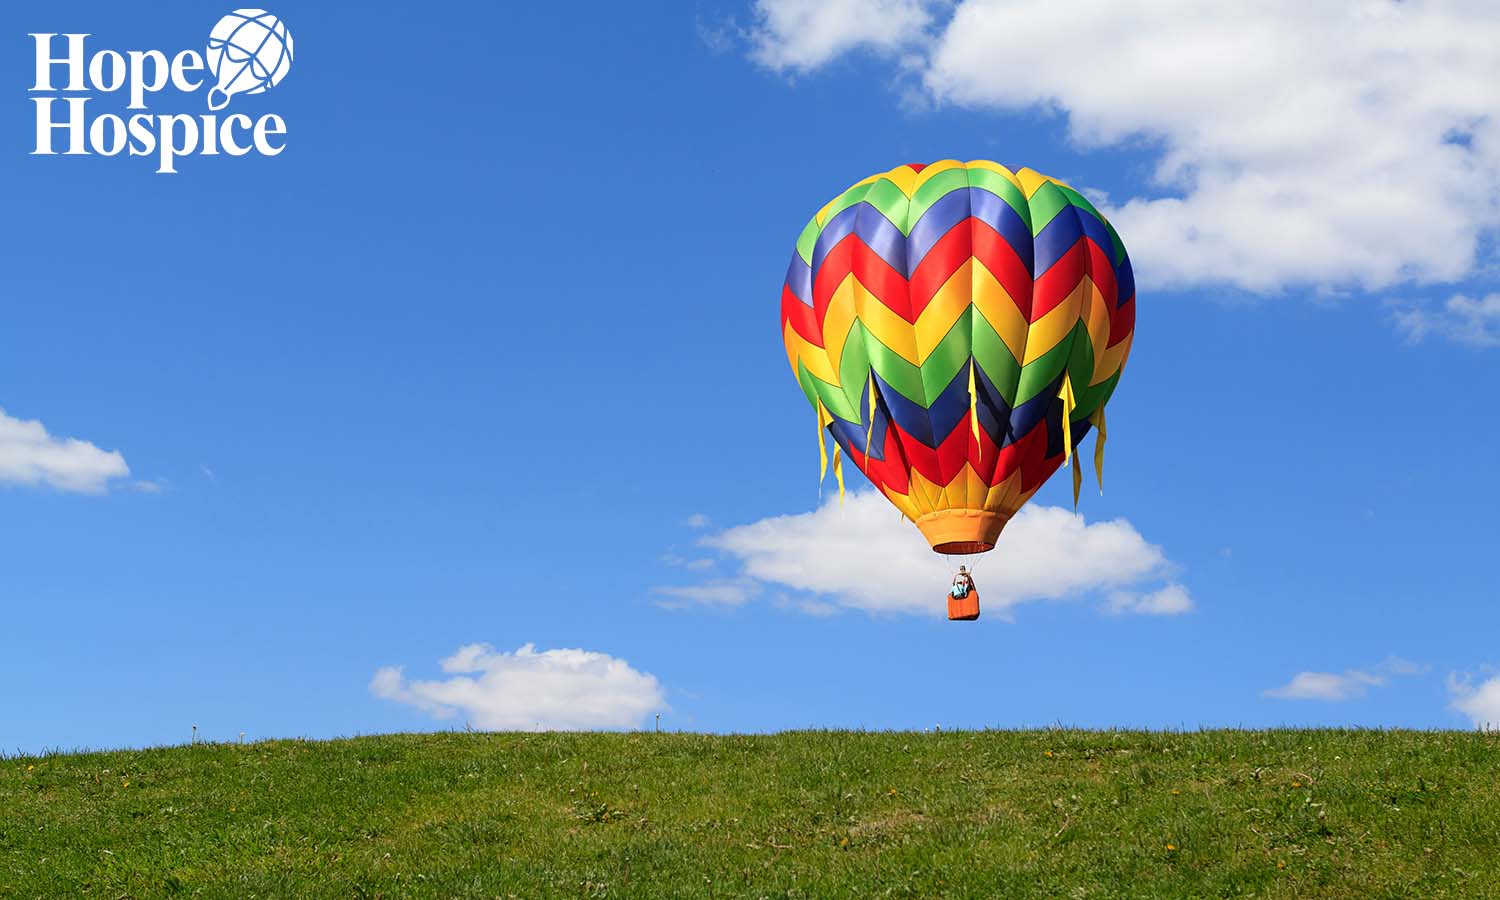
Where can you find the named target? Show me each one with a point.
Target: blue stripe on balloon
(1125, 276)
(994, 412)
(955, 207)
(871, 226)
(799, 279)
(1055, 240)
(1034, 411)
(1096, 231)
(881, 236)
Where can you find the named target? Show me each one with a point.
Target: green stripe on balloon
(834, 400)
(893, 369)
(805, 381)
(854, 370)
(995, 359)
(1119, 254)
(1046, 203)
(1091, 398)
(807, 240)
(936, 188)
(1042, 372)
(1002, 187)
(948, 358)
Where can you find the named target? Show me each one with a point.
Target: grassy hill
(1070, 814)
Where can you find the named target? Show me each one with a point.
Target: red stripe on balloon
(996, 254)
(852, 256)
(800, 316)
(946, 256)
(1059, 281)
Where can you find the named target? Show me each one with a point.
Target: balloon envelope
(958, 327)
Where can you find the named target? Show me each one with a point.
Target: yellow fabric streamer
(1077, 481)
(870, 430)
(1069, 403)
(973, 402)
(1098, 419)
(822, 448)
(838, 471)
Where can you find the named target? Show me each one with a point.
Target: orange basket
(964, 610)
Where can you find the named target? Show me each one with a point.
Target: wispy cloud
(1346, 685)
(802, 35)
(697, 520)
(565, 689)
(1172, 600)
(1462, 319)
(716, 592)
(1480, 702)
(862, 555)
(32, 457)
(1295, 143)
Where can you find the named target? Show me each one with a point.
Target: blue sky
(490, 355)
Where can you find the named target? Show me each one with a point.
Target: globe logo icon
(249, 52)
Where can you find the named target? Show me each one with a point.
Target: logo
(249, 52)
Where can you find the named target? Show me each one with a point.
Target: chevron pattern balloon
(958, 328)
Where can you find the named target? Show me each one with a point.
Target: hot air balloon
(958, 329)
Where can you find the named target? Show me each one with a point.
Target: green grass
(1012, 814)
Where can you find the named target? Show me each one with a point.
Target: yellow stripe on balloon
(901, 502)
(885, 326)
(947, 306)
(904, 179)
(925, 497)
(1006, 496)
(1114, 357)
(932, 170)
(1051, 329)
(1000, 310)
(813, 357)
(1096, 319)
(1031, 181)
(843, 308)
(998, 169)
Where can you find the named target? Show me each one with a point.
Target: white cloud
(698, 564)
(864, 555)
(718, 592)
(1462, 319)
(562, 690)
(30, 456)
(1315, 144)
(697, 520)
(1346, 685)
(1172, 600)
(1481, 703)
(801, 35)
